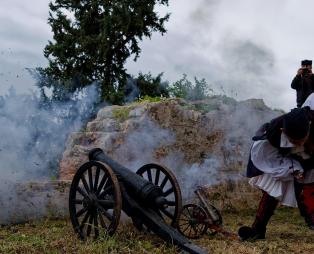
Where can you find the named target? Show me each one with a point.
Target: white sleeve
(309, 101)
(268, 159)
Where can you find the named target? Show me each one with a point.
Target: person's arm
(296, 82)
(269, 160)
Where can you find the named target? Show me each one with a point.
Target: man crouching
(280, 163)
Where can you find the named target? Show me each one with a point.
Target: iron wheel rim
(166, 180)
(95, 200)
(192, 221)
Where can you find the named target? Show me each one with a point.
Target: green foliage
(147, 98)
(185, 89)
(181, 88)
(93, 39)
(151, 86)
(145, 85)
(121, 113)
(53, 178)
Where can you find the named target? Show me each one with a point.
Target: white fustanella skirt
(277, 179)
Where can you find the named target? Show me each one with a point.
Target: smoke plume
(225, 159)
(32, 138)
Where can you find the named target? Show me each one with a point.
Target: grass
(57, 236)
(287, 232)
(122, 113)
(147, 98)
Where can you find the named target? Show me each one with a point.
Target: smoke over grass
(32, 138)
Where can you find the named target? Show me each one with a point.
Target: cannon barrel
(139, 188)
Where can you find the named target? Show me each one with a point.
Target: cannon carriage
(151, 197)
(196, 220)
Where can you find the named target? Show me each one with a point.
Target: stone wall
(35, 200)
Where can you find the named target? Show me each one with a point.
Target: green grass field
(287, 233)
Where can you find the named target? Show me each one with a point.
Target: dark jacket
(272, 132)
(304, 86)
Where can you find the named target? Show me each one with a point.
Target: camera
(305, 71)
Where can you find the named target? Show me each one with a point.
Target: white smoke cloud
(32, 140)
(140, 146)
(148, 142)
(139, 149)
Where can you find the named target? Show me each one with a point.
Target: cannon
(151, 197)
(197, 219)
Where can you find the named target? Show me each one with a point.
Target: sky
(244, 49)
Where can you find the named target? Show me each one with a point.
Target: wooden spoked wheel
(193, 221)
(165, 179)
(95, 200)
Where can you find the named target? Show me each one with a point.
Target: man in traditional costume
(281, 165)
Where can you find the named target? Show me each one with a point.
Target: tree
(145, 85)
(152, 86)
(185, 89)
(181, 88)
(94, 38)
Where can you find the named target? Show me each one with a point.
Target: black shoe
(311, 226)
(250, 234)
(310, 221)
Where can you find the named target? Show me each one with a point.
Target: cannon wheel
(95, 200)
(193, 221)
(165, 179)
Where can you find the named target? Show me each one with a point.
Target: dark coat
(272, 132)
(304, 86)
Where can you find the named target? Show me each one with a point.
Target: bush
(145, 85)
(185, 89)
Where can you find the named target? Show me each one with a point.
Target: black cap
(306, 62)
(296, 124)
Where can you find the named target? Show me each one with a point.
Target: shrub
(185, 89)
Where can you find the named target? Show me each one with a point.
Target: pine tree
(92, 39)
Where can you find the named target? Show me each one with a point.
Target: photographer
(303, 82)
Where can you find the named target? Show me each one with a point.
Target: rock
(34, 200)
(212, 134)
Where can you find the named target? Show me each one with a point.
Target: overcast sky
(243, 48)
